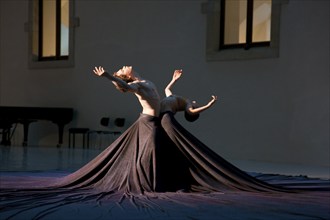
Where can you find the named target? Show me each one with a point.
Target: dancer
(177, 175)
(176, 103)
(200, 168)
(128, 80)
(130, 163)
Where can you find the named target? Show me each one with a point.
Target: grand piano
(10, 115)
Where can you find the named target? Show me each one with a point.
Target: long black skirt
(196, 167)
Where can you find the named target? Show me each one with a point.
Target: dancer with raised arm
(128, 80)
(130, 163)
(200, 168)
(175, 103)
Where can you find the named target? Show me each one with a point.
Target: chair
(105, 122)
(5, 131)
(118, 122)
(83, 131)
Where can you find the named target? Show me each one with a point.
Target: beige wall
(269, 110)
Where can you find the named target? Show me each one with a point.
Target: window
(51, 29)
(242, 29)
(245, 23)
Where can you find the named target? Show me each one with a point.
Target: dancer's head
(126, 73)
(189, 116)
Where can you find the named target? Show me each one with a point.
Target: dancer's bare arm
(176, 75)
(198, 110)
(119, 83)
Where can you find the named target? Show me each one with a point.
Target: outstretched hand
(177, 74)
(213, 100)
(99, 70)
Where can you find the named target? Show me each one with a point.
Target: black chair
(118, 122)
(105, 122)
(82, 131)
(5, 131)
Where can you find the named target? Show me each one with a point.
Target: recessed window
(242, 29)
(51, 30)
(245, 23)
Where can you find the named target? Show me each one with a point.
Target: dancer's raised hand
(99, 70)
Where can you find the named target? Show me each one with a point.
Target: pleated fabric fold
(129, 164)
(205, 169)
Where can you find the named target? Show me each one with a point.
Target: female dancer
(176, 103)
(200, 168)
(130, 163)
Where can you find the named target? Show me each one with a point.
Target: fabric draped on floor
(153, 158)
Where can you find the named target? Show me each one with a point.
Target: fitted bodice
(173, 103)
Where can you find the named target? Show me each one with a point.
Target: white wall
(269, 110)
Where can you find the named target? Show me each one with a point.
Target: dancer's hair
(127, 79)
(190, 117)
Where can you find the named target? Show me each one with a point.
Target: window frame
(54, 62)
(212, 9)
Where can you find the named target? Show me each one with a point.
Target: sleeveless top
(173, 103)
